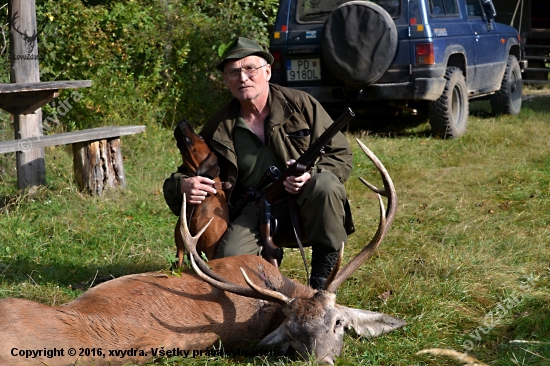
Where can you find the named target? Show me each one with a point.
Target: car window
(319, 10)
(443, 8)
(474, 8)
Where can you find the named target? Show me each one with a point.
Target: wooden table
(25, 98)
(97, 156)
(24, 101)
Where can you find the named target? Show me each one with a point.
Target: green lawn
(467, 259)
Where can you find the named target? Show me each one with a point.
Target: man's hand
(197, 188)
(294, 185)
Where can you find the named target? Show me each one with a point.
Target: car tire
(449, 113)
(359, 42)
(508, 99)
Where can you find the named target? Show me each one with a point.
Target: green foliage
(470, 236)
(4, 44)
(149, 61)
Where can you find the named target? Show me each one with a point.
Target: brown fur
(153, 310)
(145, 311)
(199, 160)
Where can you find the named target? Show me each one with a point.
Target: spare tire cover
(359, 42)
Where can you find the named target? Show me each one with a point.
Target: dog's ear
(209, 166)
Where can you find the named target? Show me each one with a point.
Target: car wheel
(359, 42)
(508, 99)
(449, 113)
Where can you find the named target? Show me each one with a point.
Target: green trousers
(322, 215)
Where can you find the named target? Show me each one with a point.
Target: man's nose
(243, 76)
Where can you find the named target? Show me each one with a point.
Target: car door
(490, 52)
(452, 35)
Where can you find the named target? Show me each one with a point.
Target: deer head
(314, 323)
(29, 40)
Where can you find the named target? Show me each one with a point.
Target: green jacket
(291, 111)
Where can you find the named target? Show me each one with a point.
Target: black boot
(322, 262)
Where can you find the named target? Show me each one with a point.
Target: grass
(467, 259)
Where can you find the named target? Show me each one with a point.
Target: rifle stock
(307, 159)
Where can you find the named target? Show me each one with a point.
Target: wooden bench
(97, 154)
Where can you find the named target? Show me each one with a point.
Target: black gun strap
(294, 212)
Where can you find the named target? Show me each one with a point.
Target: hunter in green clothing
(268, 125)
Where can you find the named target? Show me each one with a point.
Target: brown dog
(198, 160)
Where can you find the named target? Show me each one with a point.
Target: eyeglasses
(250, 72)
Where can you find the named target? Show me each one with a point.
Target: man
(268, 125)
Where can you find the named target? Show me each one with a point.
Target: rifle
(268, 223)
(306, 161)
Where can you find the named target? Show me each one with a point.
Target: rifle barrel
(277, 191)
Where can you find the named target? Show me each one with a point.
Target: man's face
(243, 86)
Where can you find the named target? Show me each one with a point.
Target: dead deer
(234, 300)
(199, 160)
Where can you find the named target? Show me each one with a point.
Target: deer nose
(327, 360)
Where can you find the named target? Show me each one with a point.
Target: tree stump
(98, 165)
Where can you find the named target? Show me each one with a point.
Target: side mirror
(489, 8)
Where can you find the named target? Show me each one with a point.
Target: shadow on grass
(390, 126)
(537, 104)
(43, 254)
(481, 108)
(67, 275)
(9, 201)
(387, 122)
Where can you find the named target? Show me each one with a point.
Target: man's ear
(268, 72)
(369, 324)
(209, 167)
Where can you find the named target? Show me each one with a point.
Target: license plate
(303, 70)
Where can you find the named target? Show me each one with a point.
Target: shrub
(149, 61)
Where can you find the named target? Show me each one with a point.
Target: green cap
(241, 47)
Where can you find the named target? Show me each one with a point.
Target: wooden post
(31, 169)
(98, 165)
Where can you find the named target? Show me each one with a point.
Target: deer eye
(338, 322)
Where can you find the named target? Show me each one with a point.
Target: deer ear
(369, 324)
(277, 337)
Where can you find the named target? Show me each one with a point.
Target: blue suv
(425, 56)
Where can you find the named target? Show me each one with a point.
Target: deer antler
(386, 218)
(26, 37)
(14, 20)
(190, 241)
(206, 274)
